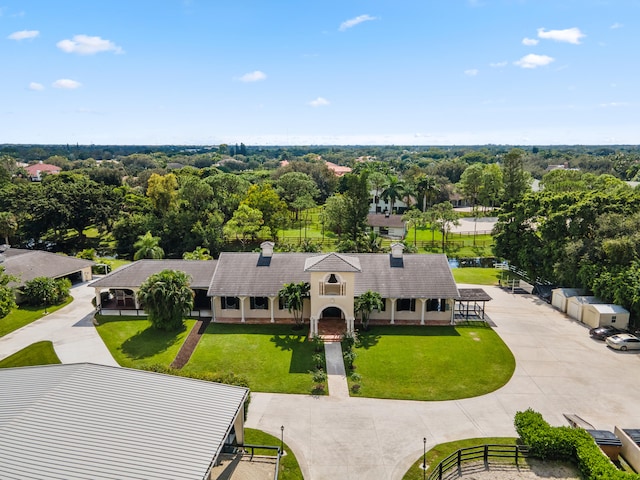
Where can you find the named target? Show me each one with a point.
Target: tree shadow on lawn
(150, 342)
(301, 351)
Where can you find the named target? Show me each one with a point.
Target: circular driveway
(559, 369)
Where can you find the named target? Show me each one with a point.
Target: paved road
(559, 370)
(70, 329)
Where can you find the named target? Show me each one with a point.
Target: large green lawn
(477, 275)
(133, 342)
(24, 315)
(274, 358)
(40, 353)
(432, 363)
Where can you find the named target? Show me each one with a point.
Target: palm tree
(293, 295)
(167, 297)
(394, 190)
(367, 303)
(414, 218)
(8, 225)
(427, 187)
(147, 247)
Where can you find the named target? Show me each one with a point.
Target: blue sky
(284, 72)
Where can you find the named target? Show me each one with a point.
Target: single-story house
(387, 225)
(561, 296)
(244, 287)
(86, 421)
(26, 265)
(575, 305)
(603, 314)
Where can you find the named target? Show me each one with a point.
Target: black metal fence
(499, 453)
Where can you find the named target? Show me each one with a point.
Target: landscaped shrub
(46, 291)
(574, 444)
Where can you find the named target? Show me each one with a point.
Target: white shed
(560, 297)
(576, 304)
(603, 314)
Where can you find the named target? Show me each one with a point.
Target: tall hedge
(564, 443)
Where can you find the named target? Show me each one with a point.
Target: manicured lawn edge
(289, 468)
(24, 315)
(39, 353)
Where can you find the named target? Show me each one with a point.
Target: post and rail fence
(481, 452)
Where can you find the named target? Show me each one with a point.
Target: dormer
(266, 252)
(396, 258)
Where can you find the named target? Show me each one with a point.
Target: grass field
(133, 342)
(289, 468)
(477, 275)
(40, 353)
(24, 315)
(274, 358)
(434, 363)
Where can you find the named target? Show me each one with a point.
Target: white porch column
(213, 309)
(242, 308)
(453, 311)
(351, 325)
(98, 298)
(423, 302)
(313, 326)
(393, 310)
(135, 298)
(271, 300)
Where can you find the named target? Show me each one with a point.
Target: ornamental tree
(167, 298)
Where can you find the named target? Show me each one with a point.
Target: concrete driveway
(71, 330)
(559, 369)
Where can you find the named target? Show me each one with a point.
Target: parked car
(601, 333)
(623, 341)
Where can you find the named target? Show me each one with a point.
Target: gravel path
(536, 469)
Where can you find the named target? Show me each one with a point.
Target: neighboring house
(37, 170)
(95, 421)
(417, 289)
(380, 205)
(338, 170)
(26, 265)
(391, 226)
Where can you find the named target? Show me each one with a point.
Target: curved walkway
(71, 330)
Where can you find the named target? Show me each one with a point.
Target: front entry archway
(332, 324)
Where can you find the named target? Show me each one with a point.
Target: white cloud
(530, 42)
(86, 45)
(616, 25)
(472, 72)
(499, 64)
(256, 76)
(569, 35)
(66, 84)
(319, 102)
(533, 61)
(23, 34)
(36, 86)
(355, 21)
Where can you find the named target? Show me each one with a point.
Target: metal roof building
(85, 421)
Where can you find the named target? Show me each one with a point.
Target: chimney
(396, 250)
(267, 249)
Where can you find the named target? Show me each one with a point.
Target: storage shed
(576, 304)
(603, 314)
(560, 297)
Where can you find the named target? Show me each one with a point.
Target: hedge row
(564, 443)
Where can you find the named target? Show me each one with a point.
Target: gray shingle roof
(30, 264)
(382, 220)
(423, 276)
(85, 421)
(134, 274)
(332, 262)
